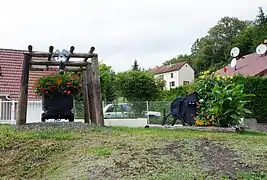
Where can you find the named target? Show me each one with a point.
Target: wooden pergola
(90, 77)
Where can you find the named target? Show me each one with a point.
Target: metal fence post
(147, 109)
(13, 120)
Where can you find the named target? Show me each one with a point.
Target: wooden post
(85, 98)
(90, 93)
(97, 92)
(23, 94)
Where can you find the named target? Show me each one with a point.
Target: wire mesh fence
(152, 112)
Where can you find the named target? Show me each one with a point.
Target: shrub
(258, 87)
(173, 93)
(222, 101)
(227, 105)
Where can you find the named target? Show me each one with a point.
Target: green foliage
(135, 66)
(222, 102)
(107, 77)
(227, 105)
(258, 87)
(213, 50)
(173, 93)
(139, 85)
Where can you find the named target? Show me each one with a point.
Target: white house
(175, 75)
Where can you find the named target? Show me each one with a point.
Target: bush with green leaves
(227, 105)
(138, 85)
(258, 104)
(222, 101)
(173, 93)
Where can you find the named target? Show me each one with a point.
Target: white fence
(8, 111)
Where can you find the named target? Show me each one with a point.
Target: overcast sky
(150, 31)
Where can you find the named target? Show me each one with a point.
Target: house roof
(249, 65)
(168, 68)
(11, 67)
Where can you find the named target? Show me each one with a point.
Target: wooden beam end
(30, 48)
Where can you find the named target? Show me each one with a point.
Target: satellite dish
(261, 49)
(235, 52)
(233, 63)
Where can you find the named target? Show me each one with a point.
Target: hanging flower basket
(57, 92)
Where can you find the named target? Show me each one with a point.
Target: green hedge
(258, 87)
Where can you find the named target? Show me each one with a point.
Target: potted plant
(58, 91)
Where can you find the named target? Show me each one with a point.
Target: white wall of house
(179, 77)
(186, 74)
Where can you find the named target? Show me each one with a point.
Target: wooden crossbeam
(67, 63)
(65, 69)
(73, 55)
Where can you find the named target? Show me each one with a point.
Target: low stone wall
(253, 125)
(139, 122)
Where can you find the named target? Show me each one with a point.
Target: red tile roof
(11, 64)
(168, 68)
(249, 65)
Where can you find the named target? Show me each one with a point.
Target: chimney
(265, 42)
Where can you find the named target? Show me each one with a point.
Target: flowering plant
(222, 100)
(66, 83)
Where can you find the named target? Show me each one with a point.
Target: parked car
(123, 110)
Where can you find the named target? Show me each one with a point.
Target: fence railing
(153, 111)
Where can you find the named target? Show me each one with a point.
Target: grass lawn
(130, 153)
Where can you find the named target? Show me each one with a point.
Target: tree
(135, 66)
(139, 85)
(254, 34)
(194, 47)
(107, 82)
(261, 18)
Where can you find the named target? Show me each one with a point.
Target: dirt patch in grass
(219, 161)
(174, 149)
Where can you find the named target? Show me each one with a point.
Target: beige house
(175, 75)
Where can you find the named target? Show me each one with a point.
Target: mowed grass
(130, 153)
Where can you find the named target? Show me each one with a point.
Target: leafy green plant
(257, 86)
(227, 106)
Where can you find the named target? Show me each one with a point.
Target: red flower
(225, 69)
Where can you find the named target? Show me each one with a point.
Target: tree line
(213, 50)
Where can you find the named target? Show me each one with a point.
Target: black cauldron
(59, 106)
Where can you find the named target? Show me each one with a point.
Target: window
(110, 108)
(186, 82)
(172, 84)
(171, 75)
